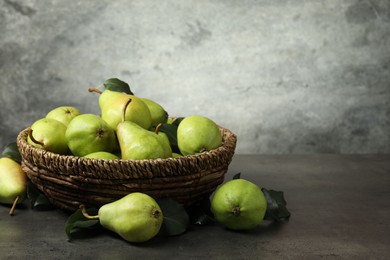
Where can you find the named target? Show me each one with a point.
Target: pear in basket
(64, 114)
(158, 113)
(89, 133)
(137, 143)
(196, 134)
(111, 104)
(48, 134)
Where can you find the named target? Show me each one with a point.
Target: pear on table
(13, 183)
(136, 217)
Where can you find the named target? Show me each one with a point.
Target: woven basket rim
(69, 181)
(228, 146)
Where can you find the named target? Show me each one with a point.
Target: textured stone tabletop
(339, 208)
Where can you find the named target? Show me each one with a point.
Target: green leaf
(276, 205)
(237, 176)
(37, 199)
(171, 131)
(11, 151)
(176, 220)
(177, 121)
(118, 85)
(200, 213)
(78, 225)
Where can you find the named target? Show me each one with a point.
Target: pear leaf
(175, 218)
(276, 205)
(78, 225)
(37, 199)
(118, 85)
(177, 121)
(200, 213)
(171, 131)
(237, 176)
(11, 151)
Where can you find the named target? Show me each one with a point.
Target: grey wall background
(286, 76)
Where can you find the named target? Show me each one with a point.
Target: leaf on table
(237, 176)
(78, 225)
(115, 84)
(11, 151)
(175, 218)
(200, 213)
(37, 199)
(276, 205)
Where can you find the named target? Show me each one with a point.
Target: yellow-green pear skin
(13, 181)
(136, 217)
(102, 155)
(196, 134)
(111, 106)
(64, 114)
(137, 143)
(51, 133)
(158, 113)
(89, 133)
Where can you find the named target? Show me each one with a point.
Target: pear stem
(158, 127)
(124, 109)
(33, 139)
(95, 90)
(12, 210)
(85, 213)
(236, 211)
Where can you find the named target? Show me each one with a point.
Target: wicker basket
(69, 181)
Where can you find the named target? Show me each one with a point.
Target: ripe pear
(48, 134)
(89, 133)
(137, 143)
(136, 217)
(239, 204)
(102, 155)
(64, 114)
(158, 113)
(13, 182)
(196, 134)
(111, 104)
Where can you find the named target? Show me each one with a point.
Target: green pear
(89, 133)
(164, 138)
(13, 183)
(48, 134)
(136, 217)
(158, 113)
(137, 143)
(176, 155)
(111, 104)
(102, 155)
(64, 114)
(196, 134)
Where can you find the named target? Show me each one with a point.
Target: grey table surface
(339, 204)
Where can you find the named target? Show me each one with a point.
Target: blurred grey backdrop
(286, 76)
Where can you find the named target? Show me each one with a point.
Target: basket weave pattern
(68, 181)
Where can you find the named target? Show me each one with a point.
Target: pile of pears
(128, 127)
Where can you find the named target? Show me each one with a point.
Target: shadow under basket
(68, 181)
